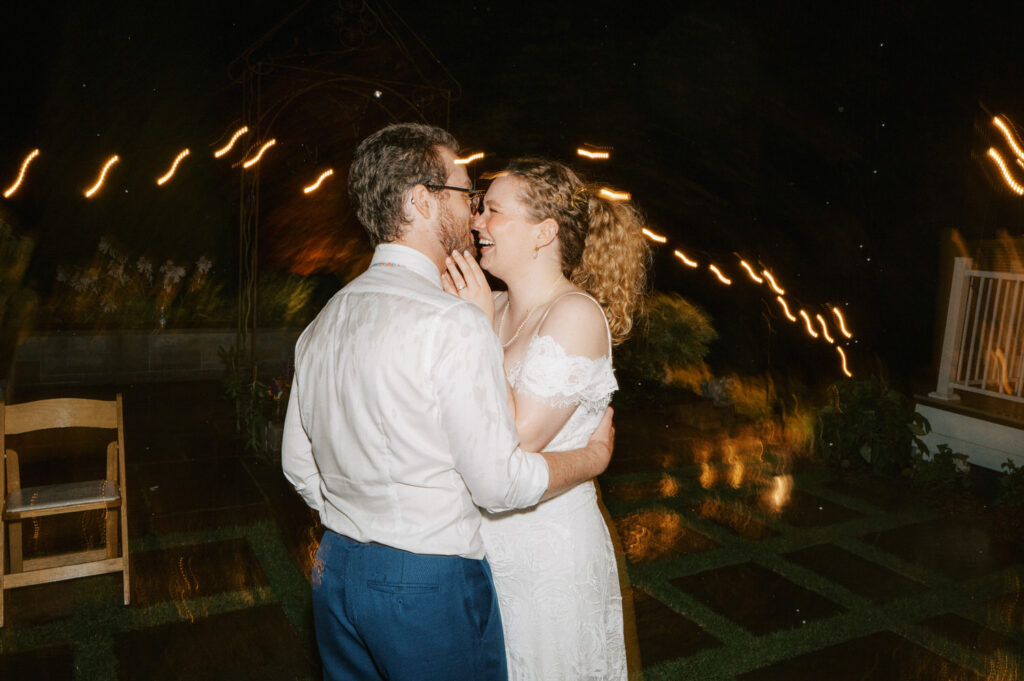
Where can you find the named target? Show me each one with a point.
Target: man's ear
(547, 230)
(422, 200)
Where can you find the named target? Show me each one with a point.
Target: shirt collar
(407, 257)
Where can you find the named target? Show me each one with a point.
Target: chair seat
(60, 496)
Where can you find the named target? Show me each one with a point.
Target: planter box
(138, 356)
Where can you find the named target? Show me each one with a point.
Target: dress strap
(607, 327)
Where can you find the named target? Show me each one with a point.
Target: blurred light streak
(994, 155)
(843, 356)
(842, 322)
(613, 195)
(736, 468)
(1010, 138)
(596, 155)
(1004, 383)
(652, 236)
(824, 328)
(174, 166)
(687, 261)
(771, 282)
(785, 308)
(750, 271)
(234, 138)
(721, 277)
(469, 159)
(103, 174)
(782, 487)
(21, 174)
(259, 154)
(810, 327)
(316, 185)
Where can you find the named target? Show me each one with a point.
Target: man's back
(400, 392)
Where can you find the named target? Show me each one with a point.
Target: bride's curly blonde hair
(604, 251)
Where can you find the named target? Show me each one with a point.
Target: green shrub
(943, 471)
(867, 421)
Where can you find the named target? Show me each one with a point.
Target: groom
(398, 429)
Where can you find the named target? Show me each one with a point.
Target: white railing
(983, 346)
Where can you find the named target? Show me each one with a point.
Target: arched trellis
(255, 71)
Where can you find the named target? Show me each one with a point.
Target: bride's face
(507, 233)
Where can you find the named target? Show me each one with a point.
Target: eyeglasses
(475, 196)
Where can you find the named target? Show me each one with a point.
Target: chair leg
(124, 549)
(111, 532)
(14, 534)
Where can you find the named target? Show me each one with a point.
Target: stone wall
(138, 356)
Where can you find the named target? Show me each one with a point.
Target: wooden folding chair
(68, 497)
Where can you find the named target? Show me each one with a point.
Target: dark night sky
(833, 142)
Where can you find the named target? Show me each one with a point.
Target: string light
(596, 155)
(652, 236)
(259, 154)
(613, 195)
(234, 138)
(824, 328)
(721, 277)
(785, 309)
(842, 355)
(1010, 138)
(316, 185)
(469, 159)
(686, 261)
(810, 328)
(174, 166)
(103, 174)
(1005, 171)
(751, 272)
(21, 174)
(842, 322)
(771, 282)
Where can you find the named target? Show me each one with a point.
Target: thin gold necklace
(504, 313)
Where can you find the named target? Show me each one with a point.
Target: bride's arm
(576, 324)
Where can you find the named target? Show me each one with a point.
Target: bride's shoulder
(577, 322)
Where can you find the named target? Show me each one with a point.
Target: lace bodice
(549, 372)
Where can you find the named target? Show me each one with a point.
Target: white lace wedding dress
(554, 565)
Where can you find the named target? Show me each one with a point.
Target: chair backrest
(59, 413)
(64, 412)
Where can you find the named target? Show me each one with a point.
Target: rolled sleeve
(473, 407)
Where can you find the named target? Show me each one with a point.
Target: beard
(455, 234)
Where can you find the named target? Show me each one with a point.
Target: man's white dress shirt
(398, 425)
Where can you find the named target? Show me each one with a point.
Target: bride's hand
(466, 280)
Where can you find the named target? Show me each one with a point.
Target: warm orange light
(174, 166)
(613, 195)
(782, 486)
(1010, 137)
(753, 275)
(21, 174)
(994, 155)
(469, 159)
(842, 355)
(810, 328)
(785, 308)
(234, 138)
(824, 328)
(316, 185)
(259, 154)
(842, 322)
(686, 261)
(652, 236)
(771, 282)
(103, 174)
(721, 277)
(597, 155)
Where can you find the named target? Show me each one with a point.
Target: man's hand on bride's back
(466, 280)
(602, 440)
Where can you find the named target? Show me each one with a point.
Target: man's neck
(427, 246)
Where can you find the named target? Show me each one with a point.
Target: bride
(575, 266)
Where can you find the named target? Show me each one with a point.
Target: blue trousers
(383, 613)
